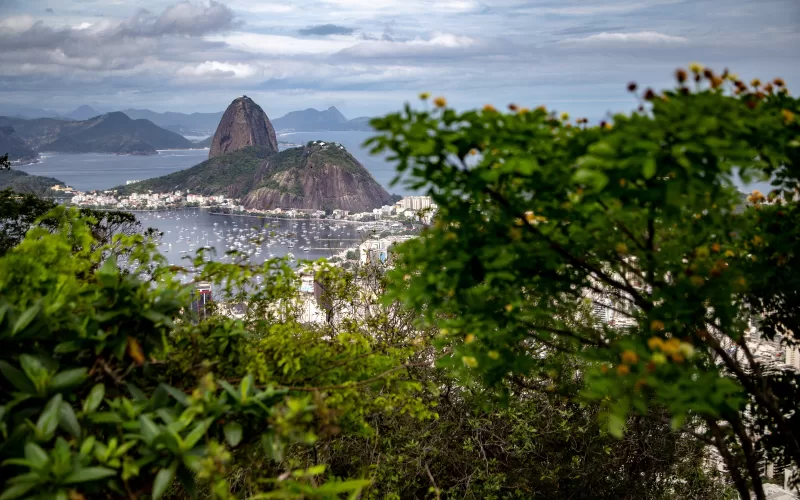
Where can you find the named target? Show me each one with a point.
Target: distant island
(114, 133)
(195, 125)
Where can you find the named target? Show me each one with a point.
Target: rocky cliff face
(322, 176)
(243, 124)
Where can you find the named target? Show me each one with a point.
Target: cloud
(184, 18)
(218, 69)
(50, 10)
(438, 45)
(640, 37)
(326, 29)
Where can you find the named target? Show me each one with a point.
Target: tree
(109, 387)
(5, 164)
(20, 211)
(540, 218)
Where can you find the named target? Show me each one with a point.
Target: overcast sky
(369, 56)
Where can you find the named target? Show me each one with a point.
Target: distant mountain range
(204, 124)
(108, 133)
(312, 120)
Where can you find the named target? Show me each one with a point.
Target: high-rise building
(201, 299)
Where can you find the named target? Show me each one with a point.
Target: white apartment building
(415, 202)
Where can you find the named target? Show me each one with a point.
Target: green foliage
(230, 174)
(20, 211)
(110, 384)
(539, 217)
(22, 182)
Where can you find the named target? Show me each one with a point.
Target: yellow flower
(729, 253)
(407, 277)
(702, 252)
(489, 108)
(696, 67)
(493, 354)
(755, 82)
(424, 95)
(733, 77)
(509, 307)
(788, 116)
(629, 357)
(623, 370)
(757, 240)
(440, 102)
(678, 357)
(564, 116)
(444, 331)
(655, 343)
(621, 248)
(657, 325)
(470, 338)
(607, 125)
(686, 349)
(522, 111)
(469, 361)
(658, 358)
(671, 346)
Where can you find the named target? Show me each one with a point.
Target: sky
(369, 57)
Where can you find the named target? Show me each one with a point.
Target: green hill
(231, 174)
(22, 182)
(108, 133)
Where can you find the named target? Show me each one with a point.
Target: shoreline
(285, 218)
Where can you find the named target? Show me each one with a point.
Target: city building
(201, 299)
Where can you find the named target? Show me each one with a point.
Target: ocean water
(187, 230)
(87, 172)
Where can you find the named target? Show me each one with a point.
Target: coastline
(283, 218)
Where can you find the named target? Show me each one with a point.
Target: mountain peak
(337, 115)
(243, 124)
(83, 112)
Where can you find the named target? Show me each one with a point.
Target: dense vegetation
(22, 182)
(540, 217)
(231, 174)
(474, 367)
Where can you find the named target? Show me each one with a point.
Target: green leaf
(35, 454)
(616, 425)
(32, 367)
(94, 399)
(17, 378)
(676, 422)
(163, 481)
(179, 395)
(187, 480)
(193, 437)
(68, 420)
(592, 178)
(68, 379)
(25, 318)
(89, 474)
(149, 429)
(48, 420)
(17, 491)
(136, 393)
(233, 433)
(649, 167)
